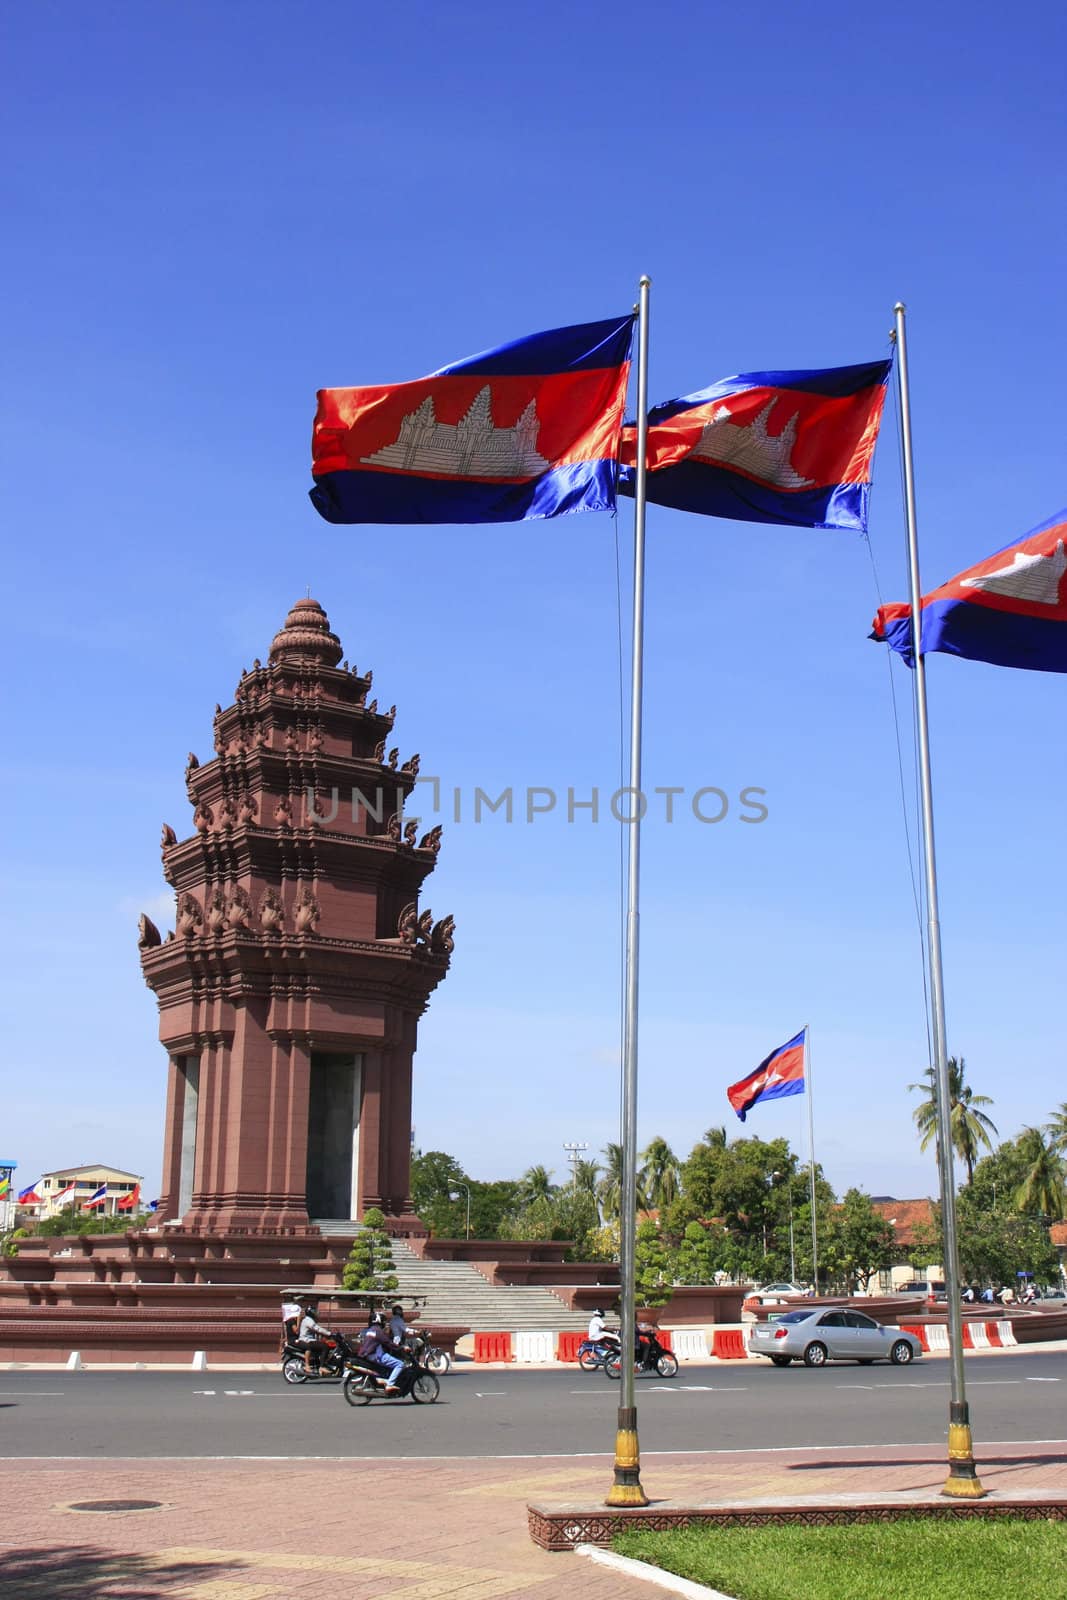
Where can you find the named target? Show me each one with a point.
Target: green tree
(535, 1184)
(653, 1266)
(969, 1127)
(702, 1252)
(1056, 1128)
(370, 1261)
(857, 1242)
(1041, 1192)
(659, 1177)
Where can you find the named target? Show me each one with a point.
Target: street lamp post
(451, 1196)
(574, 1148)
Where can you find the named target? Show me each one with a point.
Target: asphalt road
(1019, 1397)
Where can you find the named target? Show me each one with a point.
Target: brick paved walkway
(435, 1530)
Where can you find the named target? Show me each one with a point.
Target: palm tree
(968, 1127)
(661, 1173)
(1057, 1128)
(586, 1174)
(535, 1184)
(716, 1138)
(609, 1189)
(1042, 1191)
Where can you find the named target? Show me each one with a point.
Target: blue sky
(215, 210)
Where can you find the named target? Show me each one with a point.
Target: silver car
(816, 1337)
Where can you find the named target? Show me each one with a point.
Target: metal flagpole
(626, 1489)
(811, 1159)
(963, 1482)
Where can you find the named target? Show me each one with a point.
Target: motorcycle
(592, 1353)
(365, 1382)
(650, 1358)
(332, 1362)
(430, 1356)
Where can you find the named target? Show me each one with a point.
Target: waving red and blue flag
(1009, 610)
(29, 1197)
(792, 447)
(527, 430)
(97, 1198)
(781, 1074)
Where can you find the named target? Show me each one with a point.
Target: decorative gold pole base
(962, 1482)
(627, 1490)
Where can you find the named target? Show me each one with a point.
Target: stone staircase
(457, 1294)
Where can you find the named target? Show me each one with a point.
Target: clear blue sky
(213, 210)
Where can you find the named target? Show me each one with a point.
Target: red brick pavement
(432, 1530)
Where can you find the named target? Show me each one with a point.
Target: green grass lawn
(913, 1559)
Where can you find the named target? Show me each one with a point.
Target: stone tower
(290, 992)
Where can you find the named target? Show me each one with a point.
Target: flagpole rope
(622, 781)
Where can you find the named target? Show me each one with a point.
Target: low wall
(481, 1251)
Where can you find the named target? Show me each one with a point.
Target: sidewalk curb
(629, 1568)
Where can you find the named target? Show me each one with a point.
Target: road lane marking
(488, 1394)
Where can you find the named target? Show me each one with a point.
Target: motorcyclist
(376, 1347)
(398, 1328)
(312, 1338)
(598, 1332)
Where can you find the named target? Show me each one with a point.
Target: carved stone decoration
(315, 739)
(192, 763)
(392, 828)
(369, 677)
(260, 737)
(169, 837)
(256, 664)
(372, 709)
(290, 739)
(147, 933)
(307, 911)
(410, 830)
(379, 751)
(239, 908)
(390, 715)
(441, 941)
(394, 757)
(216, 912)
(190, 916)
(432, 840)
(283, 812)
(361, 699)
(227, 815)
(246, 810)
(220, 743)
(203, 817)
(424, 927)
(412, 767)
(407, 923)
(271, 913)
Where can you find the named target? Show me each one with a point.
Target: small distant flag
(153, 1205)
(1009, 610)
(131, 1201)
(63, 1194)
(528, 430)
(791, 447)
(98, 1198)
(781, 1074)
(5, 1186)
(29, 1197)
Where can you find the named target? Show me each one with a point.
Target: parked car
(782, 1288)
(1052, 1294)
(839, 1334)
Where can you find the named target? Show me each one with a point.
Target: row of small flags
(30, 1197)
(536, 429)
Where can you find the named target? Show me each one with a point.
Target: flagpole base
(963, 1482)
(627, 1490)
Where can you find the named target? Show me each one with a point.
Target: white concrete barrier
(689, 1344)
(979, 1336)
(534, 1345)
(200, 1361)
(1007, 1332)
(937, 1335)
(74, 1361)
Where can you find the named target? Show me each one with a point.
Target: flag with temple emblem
(1009, 610)
(528, 430)
(791, 447)
(781, 1074)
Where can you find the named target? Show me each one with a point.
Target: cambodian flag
(793, 447)
(29, 1197)
(1009, 610)
(528, 430)
(96, 1199)
(781, 1074)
